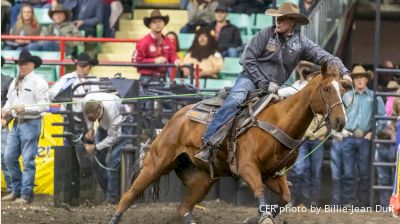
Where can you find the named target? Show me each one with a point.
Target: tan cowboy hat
(291, 10)
(303, 66)
(393, 85)
(155, 14)
(359, 70)
(60, 8)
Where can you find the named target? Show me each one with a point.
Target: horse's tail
(154, 188)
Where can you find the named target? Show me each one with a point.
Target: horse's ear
(324, 68)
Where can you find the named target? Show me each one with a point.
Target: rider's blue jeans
(230, 107)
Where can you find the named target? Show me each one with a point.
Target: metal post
(62, 52)
(376, 64)
(197, 76)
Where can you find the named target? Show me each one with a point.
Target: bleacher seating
(231, 68)
(279, 2)
(242, 21)
(261, 21)
(9, 69)
(42, 16)
(49, 72)
(185, 40)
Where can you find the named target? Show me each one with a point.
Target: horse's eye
(326, 89)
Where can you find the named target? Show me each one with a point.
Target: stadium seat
(118, 47)
(242, 21)
(42, 16)
(131, 34)
(110, 71)
(279, 2)
(185, 40)
(231, 69)
(218, 83)
(47, 72)
(120, 57)
(45, 55)
(9, 69)
(261, 22)
(246, 38)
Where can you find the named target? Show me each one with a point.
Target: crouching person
(107, 146)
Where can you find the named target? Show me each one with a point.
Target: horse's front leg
(279, 186)
(252, 176)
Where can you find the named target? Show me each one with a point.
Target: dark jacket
(271, 58)
(5, 84)
(229, 36)
(90, 11)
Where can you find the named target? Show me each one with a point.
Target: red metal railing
(64, 61)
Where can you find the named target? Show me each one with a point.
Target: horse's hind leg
(152, 170)
(198, 184)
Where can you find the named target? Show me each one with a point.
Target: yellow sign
(44, 177)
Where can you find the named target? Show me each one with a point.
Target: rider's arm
(313, 53)
(254, 49)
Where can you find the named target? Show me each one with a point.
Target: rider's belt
(357, 133)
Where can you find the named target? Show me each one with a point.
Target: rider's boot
(206, 151)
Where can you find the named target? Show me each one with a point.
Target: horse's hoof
(115, 219)
(188, 218)
(266, 218)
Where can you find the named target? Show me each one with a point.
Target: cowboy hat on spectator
(359, 70)
(60, 8)
(290, 10)
(155, 14)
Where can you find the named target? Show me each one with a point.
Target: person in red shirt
(155, 48)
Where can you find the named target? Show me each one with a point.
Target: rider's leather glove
(263, 85)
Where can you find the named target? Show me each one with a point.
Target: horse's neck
(297, 112)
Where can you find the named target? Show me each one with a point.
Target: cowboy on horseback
(268, 60)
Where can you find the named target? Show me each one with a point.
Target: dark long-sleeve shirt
(268, 56)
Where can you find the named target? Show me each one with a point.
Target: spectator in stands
(306, 6)
(26, 89)
(204, 52)
(227, 35)
(26, 25)
(250, 6)
(61, 27)
(86, 14)
(109, 114)
(154, 48)
(5, 14)
(5, 84)
(357, 137)
(15, 10)
(112, 11)
(201, 14)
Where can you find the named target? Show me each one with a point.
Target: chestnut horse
(258, 152)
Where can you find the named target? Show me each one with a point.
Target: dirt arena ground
(42, 211)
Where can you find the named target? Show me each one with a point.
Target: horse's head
(327, 98)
